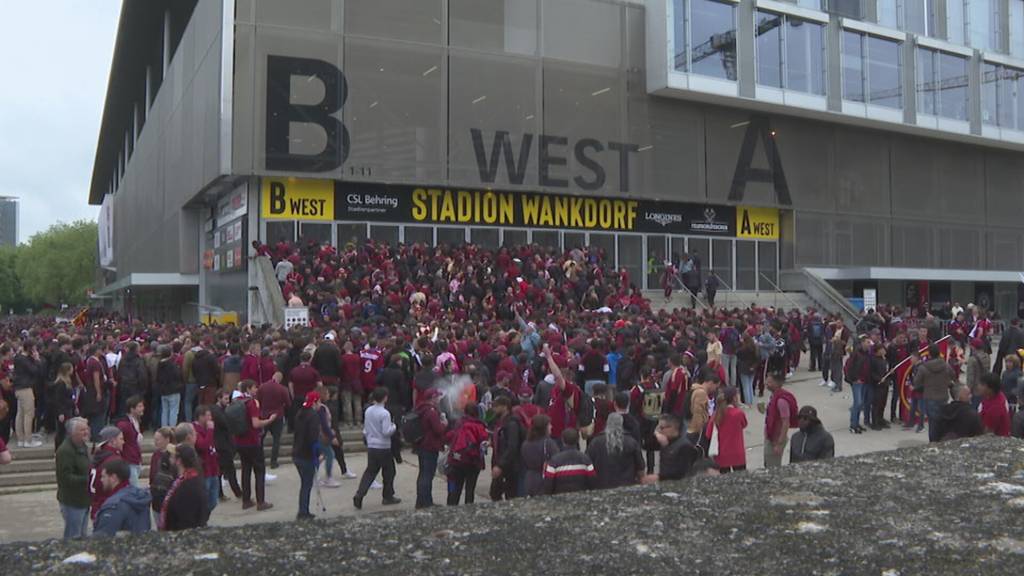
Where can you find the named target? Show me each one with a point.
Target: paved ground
(35, 516)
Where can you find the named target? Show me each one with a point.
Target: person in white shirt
(378, 429)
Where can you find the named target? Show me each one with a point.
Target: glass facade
(941, 84)
(919, 16)
(983, 23)
(1016, 28)
(884, 72)
(853, 66)
(802, 42)
(1002, 96)
(956, 23)
(705, 41)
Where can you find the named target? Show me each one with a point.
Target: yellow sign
(222, 318)
(297, 199)
(760, 223)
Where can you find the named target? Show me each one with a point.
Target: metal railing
(823, 293)
(728, 288)
(778, 291)
(680, 284)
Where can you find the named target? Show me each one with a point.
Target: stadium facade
(873, 143)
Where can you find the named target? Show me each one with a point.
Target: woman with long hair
(536, 451)
(617, 456)
(730, 421)
(64, 398)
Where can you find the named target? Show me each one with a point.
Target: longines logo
(663, 218)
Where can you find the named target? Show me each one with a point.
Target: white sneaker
(269, 477)
(823, 383)
(376, 485)
(831, 385)
(21, 443)
(350, 475)
(330, 483)
(34, 444)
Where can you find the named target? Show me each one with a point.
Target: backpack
(585, 412)
(817, 330)
(238, 417)
(465, 450)
(162, 480)
(653, 399)
(412, 427)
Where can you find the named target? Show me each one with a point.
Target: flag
(906, 387)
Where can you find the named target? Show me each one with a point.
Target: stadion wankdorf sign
(326, 200)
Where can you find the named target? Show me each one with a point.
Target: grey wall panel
(860, 180)
(1004, 184)
(407, 20)
(937, 180)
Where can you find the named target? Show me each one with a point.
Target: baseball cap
(809, 413)
(107, 434)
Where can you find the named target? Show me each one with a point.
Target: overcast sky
(54, 59)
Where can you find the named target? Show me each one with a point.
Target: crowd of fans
(501, 361)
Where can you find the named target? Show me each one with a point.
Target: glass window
(713, 29)
(631, 257)
(513, 238)
(989, 88)
(383, 233)
(1017, 28)
(1002, 102)
(354, 233)
(574, 240)
(606, 244)
(812, 4)
(582, 31)
(451, 236)
(409, 20)
(805, 56)
(983, 23)
(955, 21)
(655, 261)
(678, 248)
(1007, 96)
(1018, 82)
(318, 232)
(280, 230)
(768, 265)
(494, 25)
(883, 72)
(887, 13)
(701, 248)
(926, 82)
(721, 261)
(547, 239)
(746, 277)
(919, 16)
(420, 234)
(769, 47)
(853, 66)
(679, 37)
(484, 237)
(953, 86)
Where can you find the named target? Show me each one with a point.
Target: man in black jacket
(570, 470)
(812, 442)
(26, 376)
(1011, 341)
(327, 360)
(185, 505)
(508, 437)
(393, 378)
(132, 376)
(678, 454)
(958, 419)
(225, 444)
(304, 452)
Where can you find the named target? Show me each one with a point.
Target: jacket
(132, 376)
(399, 391)
(131, 451)
(205, 370)
(73, 475)
(186, 506)
(569, 471)
(476, 434)
(26, 372)
(378, 427)
(168, 378)
(618, 469)
(858, 368)
(677, 458)
(327, 360)
(307, 434)
(508, 437)
(221, 433)
(814, 443)
(936, 378)
(97, 493)
(958, 420)
(534, 455)
(127, 509)
(433, 429)
(977, 366)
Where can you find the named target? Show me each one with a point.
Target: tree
(58, 266)
(12, 297)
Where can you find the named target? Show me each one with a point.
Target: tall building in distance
(8, 220)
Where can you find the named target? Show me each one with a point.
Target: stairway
(33, 469)
(734, 299)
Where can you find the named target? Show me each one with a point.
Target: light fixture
(645, 148)
(738, 124)
(601, 91)
(374, 104)
(429, 70)
(530, 117)
(480, 99)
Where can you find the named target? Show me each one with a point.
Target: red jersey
(351, 368)
(372, 362)
(207, 450)
(252, 436)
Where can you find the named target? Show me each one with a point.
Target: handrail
(847, 309)
(681, 284)
(724, 283)
(779, 290)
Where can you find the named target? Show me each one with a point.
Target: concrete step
(733, 299)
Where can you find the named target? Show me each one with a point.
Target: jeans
(815, 347)
(328, 461)
(858, 405)
(917, 412)
(425, 478)
(306, 473)
(191, 390)
(136, 470)
(837, 373)
(729, 364)
(378, 460)
(747, 382)
(253, 464)
(869, 402)
(169, 409)
(274, 429)
(76, 521)
(96, 423)
(459, 478)
(931, 409)
(26, 414)
(212, 491)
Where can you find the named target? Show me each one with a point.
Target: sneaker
(824, 383)
(392, 501)
(831, 386)
(34, 444)
(273, 465)
(350, 475)
(330, 483)
(246, 504)
(264, 506)
(919, 429)
(376, 485)
(269, 477)
(21, 444)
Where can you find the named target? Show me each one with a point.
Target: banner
(297, 199)
(473, 207)
(758, 223)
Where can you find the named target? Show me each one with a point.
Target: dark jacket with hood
(127, 509)
(168, 377)
(812, 443)
(958, 420)
(132, 376)
(433, 429)
(619, 469)
(936, 378)
(508, 437)
(569, 471)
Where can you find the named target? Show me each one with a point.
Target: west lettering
(281, 113)
(546, 160)
(624, 151)
(501, 146)
(590, 164)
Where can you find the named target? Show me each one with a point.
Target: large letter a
(759, 128)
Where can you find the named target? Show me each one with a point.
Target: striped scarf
(189, 473)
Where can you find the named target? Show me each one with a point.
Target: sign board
(870, 299)
(297, 199)
(758, 223)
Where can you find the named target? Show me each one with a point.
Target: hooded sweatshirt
(126, 509)
(936, 378)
